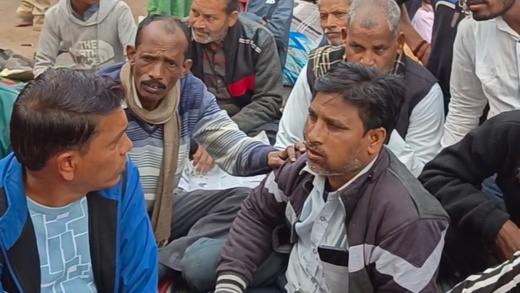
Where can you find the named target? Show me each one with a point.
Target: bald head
(371, 14)
(167, 24)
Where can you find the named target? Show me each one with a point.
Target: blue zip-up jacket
(202, 119)
(122, 245)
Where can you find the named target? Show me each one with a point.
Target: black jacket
(455, 176)
(253, 73)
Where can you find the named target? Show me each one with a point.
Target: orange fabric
(409, 53)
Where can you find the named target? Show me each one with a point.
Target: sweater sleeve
(126, 26)
(233, 151)
(48, 45)
(250, 239)
(455, 176)
(267, 98)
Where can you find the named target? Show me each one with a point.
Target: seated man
(166, 106)
(333, 18)
(94, 32)
(238, 61)
(484, 232)
(71, 205)
(373, 38)
(276, 15)
(358, 220)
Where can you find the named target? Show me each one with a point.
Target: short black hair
(377, 96)
(232, 6)
(171, 24)
(59, 111)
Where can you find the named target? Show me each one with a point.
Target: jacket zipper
(6, 261)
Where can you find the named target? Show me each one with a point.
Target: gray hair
(369, 13)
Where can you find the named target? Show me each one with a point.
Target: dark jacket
(122, 245)
(418, 80)
(395, 228)
(278, 15)
(455, 176)
(253, 73)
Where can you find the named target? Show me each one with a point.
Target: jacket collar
(351, 194)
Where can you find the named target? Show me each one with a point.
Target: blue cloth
(136, 255)
(62, 237)
(299, 47)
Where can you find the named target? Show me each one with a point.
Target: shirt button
(314, 250)
(219, 81)
(323, 218)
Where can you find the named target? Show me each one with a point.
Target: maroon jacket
(395, 228)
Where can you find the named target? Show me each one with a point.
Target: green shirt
(7, 98)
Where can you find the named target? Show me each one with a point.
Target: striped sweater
(504, 278)
(200, 119)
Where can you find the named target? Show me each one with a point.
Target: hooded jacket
(122, 245)
(94, 42)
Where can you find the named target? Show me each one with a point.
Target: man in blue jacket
(72, 211)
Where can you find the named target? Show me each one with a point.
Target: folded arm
(455, 176)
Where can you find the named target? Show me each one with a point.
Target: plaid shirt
(322, 60)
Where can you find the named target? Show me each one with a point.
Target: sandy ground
(24, 40)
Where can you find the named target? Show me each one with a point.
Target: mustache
(202, 30)
(155, 83)
(315, 148)
(332, 30)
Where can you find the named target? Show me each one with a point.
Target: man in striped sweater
(166, 106)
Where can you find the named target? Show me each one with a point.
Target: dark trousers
(198, 214)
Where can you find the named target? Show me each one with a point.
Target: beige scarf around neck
(165, 114)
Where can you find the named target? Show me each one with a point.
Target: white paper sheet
(217, 179)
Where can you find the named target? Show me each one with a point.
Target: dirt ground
(23, 40)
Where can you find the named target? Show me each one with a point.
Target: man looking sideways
(72, 216)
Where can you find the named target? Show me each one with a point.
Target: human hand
(276, 159)
(508, 241)
(202, 161)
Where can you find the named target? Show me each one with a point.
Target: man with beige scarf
(166, 106)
